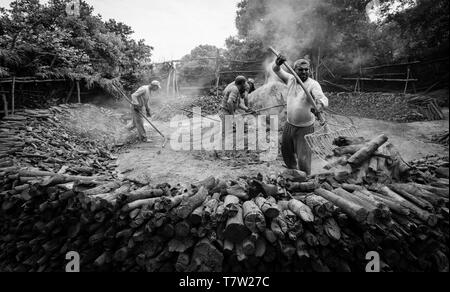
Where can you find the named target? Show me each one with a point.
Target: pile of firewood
(289, 222)
(427, 106)
(376, 105)
(442, 138)
(38, 138)
(370, 200)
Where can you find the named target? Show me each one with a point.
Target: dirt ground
(148, 162)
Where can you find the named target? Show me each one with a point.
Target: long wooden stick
(267, 108)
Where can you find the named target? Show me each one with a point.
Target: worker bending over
(300, 119)
(234, 97)
(140, 106)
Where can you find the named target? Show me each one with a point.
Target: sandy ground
(148, 162)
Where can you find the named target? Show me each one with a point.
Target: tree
(200, 64)
(341, 29)
(41, 40)
(422, 26)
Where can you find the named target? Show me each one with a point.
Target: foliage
(341, 30)
(42, 40)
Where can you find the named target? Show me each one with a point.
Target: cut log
(188, 205)
(301, 210)
(248, 247)
(196, 216)
(413, 194)
(367, 151)
(253, 217)
(206, 258)
(319, 205)
(235, 230)
(238, 191)
(302, 187)
(231, 204)
(268, 207)
(443, 192)
(138, 204)
(144, 193)
(357, 212)
(332, 229)
(209, 183)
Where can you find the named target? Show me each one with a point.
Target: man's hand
(320, 106)
(280, 60)
(251, 111)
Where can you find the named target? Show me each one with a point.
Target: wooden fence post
(217, 72)
(408, 73)
(5, 104)
(78, 91)
(13, 94)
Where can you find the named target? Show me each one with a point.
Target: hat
(251, 81)
(301, 62)
(240, 80)
(156, 83)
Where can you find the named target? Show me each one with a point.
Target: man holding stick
(234, 96)
(300, 119)
(140, 104)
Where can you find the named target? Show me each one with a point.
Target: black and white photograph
(224, 138)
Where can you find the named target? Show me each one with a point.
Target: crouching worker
(300, 119)
(140, 106)
(234, 97)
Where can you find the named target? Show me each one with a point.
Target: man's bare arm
(283, 75)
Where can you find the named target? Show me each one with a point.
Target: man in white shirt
(300, 119)
(140, 105)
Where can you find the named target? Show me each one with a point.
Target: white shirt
(298, 108)
(142, 96)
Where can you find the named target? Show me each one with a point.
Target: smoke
(289, 25)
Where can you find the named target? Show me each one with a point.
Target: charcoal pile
(427, 106)
(377, 105)
(43, 139)
(284, 222)
(209, 104)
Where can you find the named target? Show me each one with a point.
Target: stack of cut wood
(288, 222)
(427, 106)
(375, 105)
(279, 223)
(39, 138)
(433, 169)
(441, 138)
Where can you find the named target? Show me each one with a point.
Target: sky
(172, 27)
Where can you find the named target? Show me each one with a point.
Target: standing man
(300, 119)
(234, 96)
(140, 105)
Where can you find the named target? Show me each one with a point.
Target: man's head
(155, 85)
(240, 82)
(251, 81)
(302, 67)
